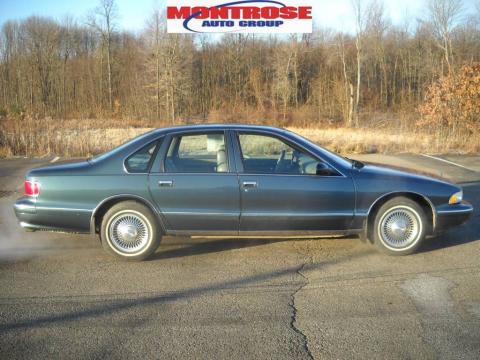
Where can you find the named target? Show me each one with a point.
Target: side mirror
(324, 170)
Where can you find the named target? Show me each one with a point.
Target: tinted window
(139, 162)
(268, 155)
(199, 153)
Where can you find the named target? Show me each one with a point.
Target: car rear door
(281, 191)
(194, 183)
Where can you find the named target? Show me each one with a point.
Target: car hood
(397, 171)
(69, 167)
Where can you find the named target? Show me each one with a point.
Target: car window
(139, 162)
(199, 153)
(263, 154)
(105, 155)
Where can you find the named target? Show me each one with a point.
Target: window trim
(289, 142)
(173, 135)
(158, 142)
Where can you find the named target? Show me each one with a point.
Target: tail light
(32, 188)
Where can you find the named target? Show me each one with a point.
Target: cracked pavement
(294, 322)
(62, 297)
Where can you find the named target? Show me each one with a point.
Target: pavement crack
(293, 318)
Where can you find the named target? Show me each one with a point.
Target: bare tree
(169, 64)
(41, 38)
(103, 21)
(375, 29)
(360, 24)
(349, 93)
(477, 14)
(8, 41)
(67, 70)
(154, 35)
(282, 86)
(444, 16)
(66, 43)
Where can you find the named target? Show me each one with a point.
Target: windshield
(118, 148)
(337, 158)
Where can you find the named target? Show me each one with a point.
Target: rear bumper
(453, 215)
(31, 217)
(26, 212)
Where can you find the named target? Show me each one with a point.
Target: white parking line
(447, 161)
(55, 159)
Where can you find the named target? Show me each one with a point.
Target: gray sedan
(234, 180)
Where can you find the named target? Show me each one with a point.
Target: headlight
(456, 198)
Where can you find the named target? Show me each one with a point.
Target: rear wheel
(130, 231)
(400, 226)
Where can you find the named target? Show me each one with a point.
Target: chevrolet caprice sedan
(234, 180)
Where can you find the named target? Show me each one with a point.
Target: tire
(400, 227)
(363, 237)
(130, 231)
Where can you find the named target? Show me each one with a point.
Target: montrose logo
(242, 16)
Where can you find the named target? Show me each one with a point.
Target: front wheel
(130, 231)
(400, 226)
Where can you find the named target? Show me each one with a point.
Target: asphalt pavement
(62, 297)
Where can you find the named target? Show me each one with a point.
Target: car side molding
(265, 233)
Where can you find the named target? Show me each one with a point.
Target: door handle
(165, 183)
(249, 184)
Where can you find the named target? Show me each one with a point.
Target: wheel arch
(105, 204)
(420, 199)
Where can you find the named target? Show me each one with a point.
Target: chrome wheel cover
(129, 232)
(400, 228)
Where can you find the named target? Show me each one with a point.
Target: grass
(72, 138)
(370, 141)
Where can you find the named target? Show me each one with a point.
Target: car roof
(218, 127)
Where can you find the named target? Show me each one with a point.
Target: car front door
(195, 185)
(285, 188)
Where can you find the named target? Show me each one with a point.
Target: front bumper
(453, 215)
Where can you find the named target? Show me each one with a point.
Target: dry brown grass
(368, 141)
(29, 137)
(69, 139)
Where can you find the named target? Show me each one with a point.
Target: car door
(281, 190)
(195, 185)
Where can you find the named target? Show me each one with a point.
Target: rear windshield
(119, 148)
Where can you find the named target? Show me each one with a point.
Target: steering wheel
(280, 160)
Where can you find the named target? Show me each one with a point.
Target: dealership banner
(243, 16)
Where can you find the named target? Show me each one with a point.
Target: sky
(335, 14)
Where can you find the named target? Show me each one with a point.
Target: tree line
(90, 68)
